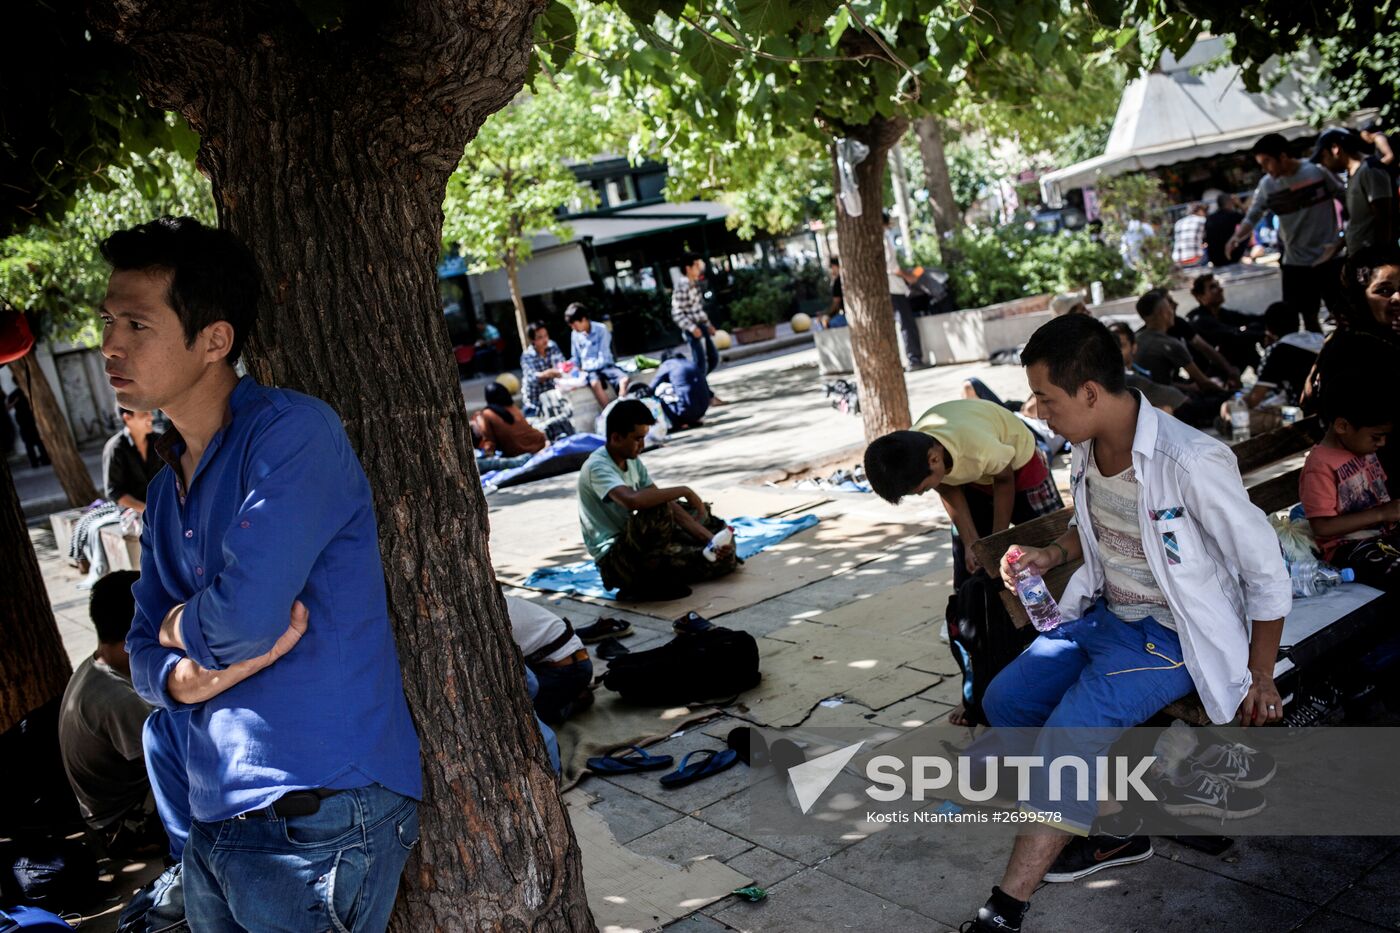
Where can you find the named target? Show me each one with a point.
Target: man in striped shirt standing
(688, 311)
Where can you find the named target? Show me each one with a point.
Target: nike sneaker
(1087, 854)
(1201, 793)
(1237, 763)
(988, 921)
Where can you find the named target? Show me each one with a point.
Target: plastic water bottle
(1044, 612)
(1239, 418)
(723, 537)
(1311, 578)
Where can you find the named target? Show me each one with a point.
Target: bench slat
(1273, 446)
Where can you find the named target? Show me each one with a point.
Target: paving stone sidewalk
(777, 420)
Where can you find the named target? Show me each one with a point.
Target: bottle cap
(1348, 575)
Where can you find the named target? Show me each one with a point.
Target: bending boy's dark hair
(112, 607)
(1281, 319)
(1077, 349)
(690, 259)
(213, 275)
(1271, 145)
(897, 463)
(575, 312)
(1147, 304)
(626, 415)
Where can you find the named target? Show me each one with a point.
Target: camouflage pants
(654, 548)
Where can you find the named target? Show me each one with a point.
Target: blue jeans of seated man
(1081, 685)
(337, 869)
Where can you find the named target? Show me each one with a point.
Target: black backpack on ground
(715, 664)
(982, 637)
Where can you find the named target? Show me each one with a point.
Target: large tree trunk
(884, 399)
(329, 152)
(53, 428)
(947, 218)
(33, 665)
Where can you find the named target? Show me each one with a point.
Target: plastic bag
(849, 154)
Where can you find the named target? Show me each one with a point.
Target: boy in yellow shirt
(982, 461)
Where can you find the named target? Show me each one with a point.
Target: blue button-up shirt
(592, 349)
(278, 509)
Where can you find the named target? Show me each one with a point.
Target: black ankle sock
(1121, 825)
(1006, 905)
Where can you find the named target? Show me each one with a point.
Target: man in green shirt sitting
(648, 541)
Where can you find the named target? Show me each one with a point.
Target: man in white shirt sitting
(1182, 587)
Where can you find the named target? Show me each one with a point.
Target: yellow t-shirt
(983, 437)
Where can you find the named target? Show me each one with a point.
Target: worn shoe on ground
(1237, 763)
(1201, 793)
(988, 921)
(1087, 854)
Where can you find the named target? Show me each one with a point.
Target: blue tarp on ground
(751, 535)
(563, 456)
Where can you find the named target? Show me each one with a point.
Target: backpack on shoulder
(983, 638)
(714, 664)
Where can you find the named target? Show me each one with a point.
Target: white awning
(1175, 114)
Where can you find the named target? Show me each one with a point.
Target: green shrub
(1006, 263)
(764, 303)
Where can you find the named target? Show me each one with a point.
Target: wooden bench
(1315, 626)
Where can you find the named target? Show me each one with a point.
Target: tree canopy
(53, 268)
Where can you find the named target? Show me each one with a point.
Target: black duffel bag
(715, 664)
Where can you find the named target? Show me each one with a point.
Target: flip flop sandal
(612, 763)
(604, 628)
(610, 648)
(709, 761)
(750, 746)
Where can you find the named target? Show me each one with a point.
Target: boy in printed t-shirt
(1344, 493)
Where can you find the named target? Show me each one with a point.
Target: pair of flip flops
(701, 763)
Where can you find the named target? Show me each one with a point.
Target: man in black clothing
(1290, 355)
(838, 294)
(1233, 333)
(130, 461)
(1220, 226)
(1162, 356)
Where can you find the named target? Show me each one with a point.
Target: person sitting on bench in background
(648, 541)
(1165, 398)
(130, 461)
(1182, 586)
(983, 462)
(1162, 355)
(556, 656)
(1343, 488)
(592, 354)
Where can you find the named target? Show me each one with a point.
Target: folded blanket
(751, 535)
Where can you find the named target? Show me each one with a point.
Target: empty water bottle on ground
(1044, 612)
(1239, 418)
(723, 537)
(1312, 578)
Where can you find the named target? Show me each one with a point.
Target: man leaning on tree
(261, 605)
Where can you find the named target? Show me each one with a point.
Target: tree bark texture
(68, 464)
(329, 152)
(884, 398)
(947, 218)
(34, 667)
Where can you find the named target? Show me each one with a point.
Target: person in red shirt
(1343, 488)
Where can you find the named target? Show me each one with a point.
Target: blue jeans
(703, 353)
(560, 688)
(159, 907)
(1081, 685)
(336, 869)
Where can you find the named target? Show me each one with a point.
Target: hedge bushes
(991, 265)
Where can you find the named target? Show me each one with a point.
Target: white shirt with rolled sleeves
(1210, 549)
